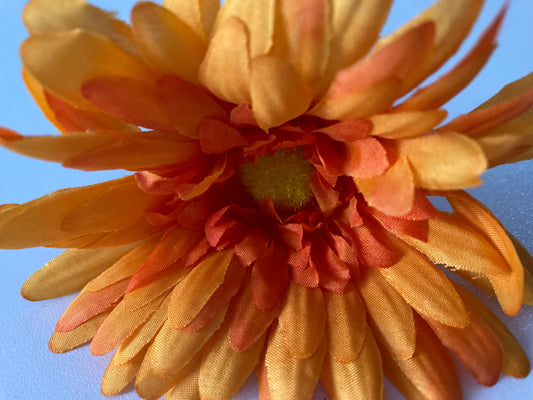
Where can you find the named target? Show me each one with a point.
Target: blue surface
(29, 371)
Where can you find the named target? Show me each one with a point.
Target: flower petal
(400, 125)
(59, 62)
(61, 342)
(70, 272)
(174, 47)
(361, 378)
(198, 14)
(444, 161)
(393, 323)
(118, 376)
(225, 70)
(278, 92)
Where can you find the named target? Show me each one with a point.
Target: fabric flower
(278, 215)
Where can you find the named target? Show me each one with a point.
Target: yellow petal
(258, 16)
(346, 325)
(400, 125)
(290, 378)
(426, 288)
(393, 192)
(355, 27)
(509, 286)
(200, 15)
(61, 342)
(225, 70)
(444, 161)
(53, 16)
(70, 272)
(59, 62)
(392, 317)
(167, 42)
(278, 92)
(455, 244)
(223, 370)
(191, 294)
(188, 385)
(118, 376)
(527, 262)
(361, 378)
(302, 320)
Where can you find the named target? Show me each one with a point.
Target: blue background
(29, 371)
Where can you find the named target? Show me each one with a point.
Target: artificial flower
(278, 215)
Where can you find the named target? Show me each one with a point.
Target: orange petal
(68, 52)
(476, 346)
(302, 320)
(400, 125)
(225, 70)
(361, 378)
(364, 158)
(120, 324)
(289, 377)
(454, 244)
(61, 342)
(446, 87)
(393, 192)
(118, 376)
(192, 294)
(222, 369)
(174, 47)
(200, 15)
(444, 161)
(346, 327)
(278, 92)
(43, 17)
(426, 289)
(429, 373)
(508, 287)
(70, 272)
(527, 262)
(393, 323)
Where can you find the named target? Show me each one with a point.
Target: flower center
(282, 176)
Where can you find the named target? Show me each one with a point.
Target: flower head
(278, 215)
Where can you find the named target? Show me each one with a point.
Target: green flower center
(282, 176)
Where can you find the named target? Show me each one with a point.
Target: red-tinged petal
(476, 346)
(391, 317)
(482, 119)
(349, 130)
(225, 70)
(174, 244)
(70, 272)
(346, 327)
(374, 249)
(309, 277)
(364, 158)
(253, 246)
(444, 161)
(393, 191)
(302, 320)
(191, 190)
(59, 62)
(416, 229)
(400, 59)
(270, 278)
(508, 287)
(429, 373)
(88, 304)
(330, 157)
(220, 298)
(72, 119)
(120, 323)
(326, 197)
(194, 291)
(291, 235)
(422, 209)
(333, 272)
(446, 87)
(174, 47)
(242, 116)
(247, 323)
(218, 137)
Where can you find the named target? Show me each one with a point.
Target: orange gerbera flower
(278, 215)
